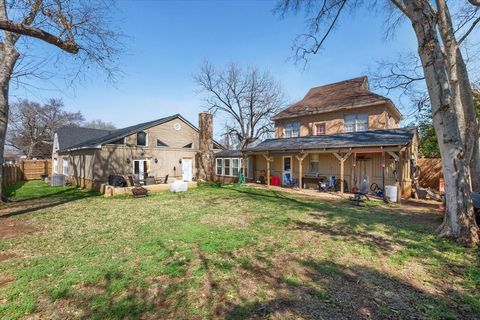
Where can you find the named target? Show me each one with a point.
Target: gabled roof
(118, 134)
(371, 138)
(69, 136)
(348, 94)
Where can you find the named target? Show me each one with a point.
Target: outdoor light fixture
(128, 160)
(156, 160)
(180, 160)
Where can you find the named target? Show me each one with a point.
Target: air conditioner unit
(58, 180)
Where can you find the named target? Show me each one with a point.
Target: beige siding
(378, 118)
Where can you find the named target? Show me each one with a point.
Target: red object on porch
(275, 181)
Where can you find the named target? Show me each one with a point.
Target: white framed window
(65, 167)
(235, 167)
(230, 167)
(142, 139)
(356, 122)
(226, 167)
(219, 166)
(55, 166)
(292, 129)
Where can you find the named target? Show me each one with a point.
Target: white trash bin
(391, 193)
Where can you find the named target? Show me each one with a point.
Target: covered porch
(303, 162)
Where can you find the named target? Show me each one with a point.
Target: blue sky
(168, 40)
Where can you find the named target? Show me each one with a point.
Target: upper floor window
(320, 128)
(292, 129)
(142, 138)
(356, 122)
(160, 143)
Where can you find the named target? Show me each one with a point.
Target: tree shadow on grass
(25, 206)
(332, 291)
(383, 230)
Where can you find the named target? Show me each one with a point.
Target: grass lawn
(229, 252)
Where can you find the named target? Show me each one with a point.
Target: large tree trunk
(449, 123)
(8, 58)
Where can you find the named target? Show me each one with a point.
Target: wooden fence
(11, 174)
(25, 170)
(430, 172)
(34, 169)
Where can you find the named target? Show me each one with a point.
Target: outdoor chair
(362, 191)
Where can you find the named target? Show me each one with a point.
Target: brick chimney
(205, 157)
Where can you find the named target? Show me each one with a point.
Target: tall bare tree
(448, 84)
(99, 124)
(76, 27)
(249, 98)
(32, 126)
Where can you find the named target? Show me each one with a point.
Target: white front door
(187, 169)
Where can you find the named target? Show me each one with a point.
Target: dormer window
(292, 129)
(142, 139)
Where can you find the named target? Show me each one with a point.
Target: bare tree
(76, 27)
(249, 98)
(447, 82)
(32, 126)
(99, 124)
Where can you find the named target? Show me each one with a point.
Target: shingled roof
(348, 94)
(114, 135)
(371, 138)
(70, 136)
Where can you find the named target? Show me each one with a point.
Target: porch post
(300, 158)
(342, 160)
(342, 175)
(268, 170)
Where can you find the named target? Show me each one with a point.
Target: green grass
(228, 252)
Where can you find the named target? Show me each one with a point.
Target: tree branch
(469, 30)
(23, 29)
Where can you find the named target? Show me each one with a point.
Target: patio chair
(362, 191)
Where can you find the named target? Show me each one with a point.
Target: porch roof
(372, 138)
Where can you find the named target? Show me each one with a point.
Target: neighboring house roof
(348, 94)
(71, 136)
(372, 138)
(118, 134)
(229, 153)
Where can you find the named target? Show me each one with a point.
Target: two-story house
(342, 130)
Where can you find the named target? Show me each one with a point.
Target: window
(226, 167)
(219, 166)
(160, 143)
(292, 129)
(188, 146)
(55, 166)
(356, 122)
(235, 167)
(65, 167)
(141, 138)
(320, 129)
(229, 166)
